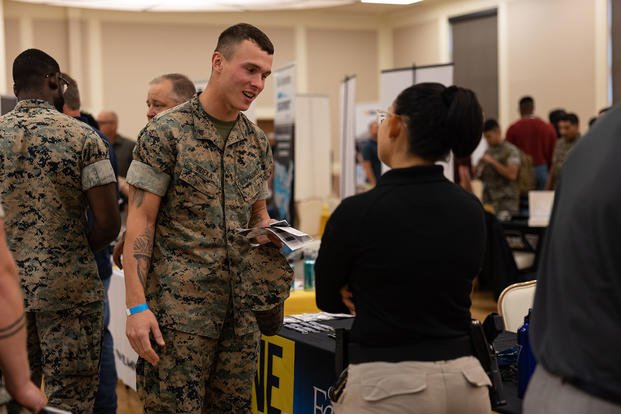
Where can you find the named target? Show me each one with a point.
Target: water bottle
(526, 359)
(309, 274)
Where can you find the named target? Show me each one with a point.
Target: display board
(284, 122)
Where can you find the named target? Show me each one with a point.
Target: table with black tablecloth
(296, 370)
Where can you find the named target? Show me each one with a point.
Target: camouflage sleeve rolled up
(96, 167)
(514, 156)
(153, 160)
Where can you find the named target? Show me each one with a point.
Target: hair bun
(449, 94)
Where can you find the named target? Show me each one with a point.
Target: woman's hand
(347, 298)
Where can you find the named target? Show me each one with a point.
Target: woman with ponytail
(401, 258)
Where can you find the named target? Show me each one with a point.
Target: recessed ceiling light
(402, 2)
(194, 5)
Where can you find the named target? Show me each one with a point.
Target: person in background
(498, 171)
(123, 147)
(370, 161)
(535, 137)
(575, 329)
(168, 91)
(554, 116)
(105, 400)
(52, 167)
(165, 92)
(13, 353)
(569, 125)
(424, 266)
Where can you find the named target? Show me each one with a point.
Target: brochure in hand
(292, 239)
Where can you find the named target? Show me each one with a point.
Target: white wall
(554, 50)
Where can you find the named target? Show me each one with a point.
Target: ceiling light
(402, 2)
(193, 5)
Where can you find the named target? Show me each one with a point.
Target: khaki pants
(457, 386)
(549, 394)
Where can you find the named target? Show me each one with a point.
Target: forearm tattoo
(255, 219)
(13, 328)
(143, 248)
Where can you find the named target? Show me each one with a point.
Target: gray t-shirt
(576, 325)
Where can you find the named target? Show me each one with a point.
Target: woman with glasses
(401, 258)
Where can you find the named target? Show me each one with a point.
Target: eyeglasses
(64, 83)
(381, 115)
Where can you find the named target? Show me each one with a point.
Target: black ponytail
(441, 120)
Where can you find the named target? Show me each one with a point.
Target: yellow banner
(272, 392)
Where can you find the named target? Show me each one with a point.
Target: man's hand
(138, 328)
(488, 159)
(28, 395)
(269, 237)
(347, 298)
(117, 253)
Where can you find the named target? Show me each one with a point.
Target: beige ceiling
(345, 6)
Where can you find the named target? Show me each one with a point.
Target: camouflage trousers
(64, 348)
(197, 374)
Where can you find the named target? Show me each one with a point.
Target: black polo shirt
(408, 249)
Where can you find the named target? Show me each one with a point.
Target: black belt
(594, 390)
(426, 350)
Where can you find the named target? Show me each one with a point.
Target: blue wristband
(137, 309)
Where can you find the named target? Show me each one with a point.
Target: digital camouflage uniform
(501, 193)
(201, 286)
(561, 151)
(47, 162)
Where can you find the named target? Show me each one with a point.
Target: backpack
(526, 174)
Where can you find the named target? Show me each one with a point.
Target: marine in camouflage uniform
(47, 163)
(561, 151)
(498, 191)
(195, 180)
(201, 286)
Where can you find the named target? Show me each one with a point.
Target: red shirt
(535, 137)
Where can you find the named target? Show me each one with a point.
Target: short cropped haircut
(490, 124)
(527, 104)
(30, 67)
(72, 93)
(236, 34)
(183, 89)
(571, 118)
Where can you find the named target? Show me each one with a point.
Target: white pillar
(444, 40)
(26, 32)
(301, 59)
(504, 105)
(385, 49)
(74, 29)
(601, 47)
(3, 76)
(95, 58)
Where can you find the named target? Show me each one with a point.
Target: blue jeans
(105, 401)
(541, 176)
